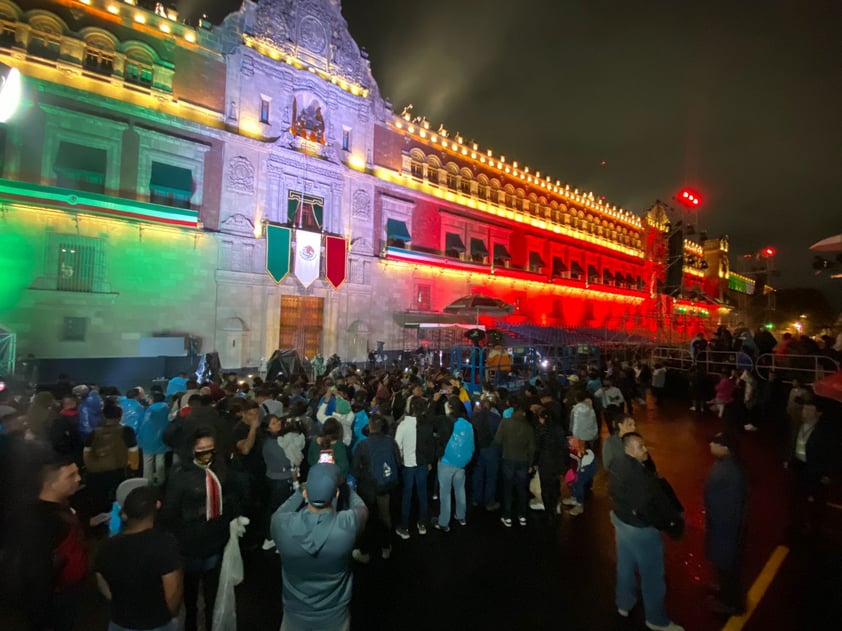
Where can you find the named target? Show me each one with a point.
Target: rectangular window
(80, 168)
(170, 185)
(77, 262)
(99, 61)
(8, 37)
(452, 181)
(264, 111)
(74, 329)
(346, 140)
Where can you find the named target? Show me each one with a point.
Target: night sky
(740, 100)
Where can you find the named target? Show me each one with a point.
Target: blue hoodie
(132, 413)
(90, 414)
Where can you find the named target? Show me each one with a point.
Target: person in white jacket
(340, 409)
(583, 424)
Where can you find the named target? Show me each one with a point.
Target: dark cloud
(740, 99)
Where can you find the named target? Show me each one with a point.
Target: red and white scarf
(213, 495)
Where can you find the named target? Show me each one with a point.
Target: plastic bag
(230, 575)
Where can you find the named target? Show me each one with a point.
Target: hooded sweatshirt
(315, 551)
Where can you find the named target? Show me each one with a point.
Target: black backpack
(382, 464)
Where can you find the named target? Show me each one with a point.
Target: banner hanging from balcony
(277, 252)
(336, 260)
(305, 211)
(308, 256)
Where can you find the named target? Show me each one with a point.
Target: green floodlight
(11, 88)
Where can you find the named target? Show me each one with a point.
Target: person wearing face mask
(200, 502)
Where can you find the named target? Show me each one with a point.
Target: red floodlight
(769, 251)
(689, 198)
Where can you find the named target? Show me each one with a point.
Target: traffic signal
(689, 198)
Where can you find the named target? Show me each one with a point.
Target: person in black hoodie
(200, 502)
(551, 455)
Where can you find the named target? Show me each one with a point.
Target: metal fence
(806, 368)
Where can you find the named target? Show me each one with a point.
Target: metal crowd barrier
(806, 368)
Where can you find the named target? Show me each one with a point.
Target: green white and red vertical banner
(278, 240)
(308, 256)
(336, 260)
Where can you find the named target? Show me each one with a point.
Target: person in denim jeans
(451, 466)
(415, 440)
(517, 441)
(485, 420)
(641, 508)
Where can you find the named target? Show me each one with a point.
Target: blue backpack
(460, 448)
(382, 463)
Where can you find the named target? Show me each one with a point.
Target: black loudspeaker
(675, 263)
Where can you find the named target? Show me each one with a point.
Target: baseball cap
(322, 481)
(724, 440)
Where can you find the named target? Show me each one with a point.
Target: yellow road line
(758, 589)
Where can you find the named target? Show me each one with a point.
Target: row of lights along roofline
(488, 158)
(142, 16)
(268, 50)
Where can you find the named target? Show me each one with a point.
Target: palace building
(169, 189)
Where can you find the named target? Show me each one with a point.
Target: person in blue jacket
(90, 410)
(150, 438)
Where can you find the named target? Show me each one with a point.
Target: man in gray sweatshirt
(315, 543)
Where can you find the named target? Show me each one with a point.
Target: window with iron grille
(423, 297)
(80, 168)
(77, 262)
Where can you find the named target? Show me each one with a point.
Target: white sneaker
(623, 612)
(750, 427)
(558, 509)
(569, 501)
(268, 544)
(669, 627)
(576, 510)
(536, 505)
(359, 557)
(386, 553)
(692, 408)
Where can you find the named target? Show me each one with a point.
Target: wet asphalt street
(561, 575)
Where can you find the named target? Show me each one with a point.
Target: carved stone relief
(241, 175)
(361, 205)
(311, 35)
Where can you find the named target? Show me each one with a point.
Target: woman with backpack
(110, 450)
(456, 435)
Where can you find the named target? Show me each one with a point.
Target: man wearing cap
(726, 495)
(315, 543)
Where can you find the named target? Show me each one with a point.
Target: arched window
(8, 28)
(433, 166)
(483, 190)
(99, 55)
(511, 198)
(495, 191)
(452, 177)
(45, 37)
(416, 164)
(139, 67)
(465, 178)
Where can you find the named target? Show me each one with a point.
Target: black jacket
(726, 498)
(183, 512)
(425, 441)
(641, 497)
(551, 451)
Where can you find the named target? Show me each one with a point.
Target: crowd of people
(339, 467)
